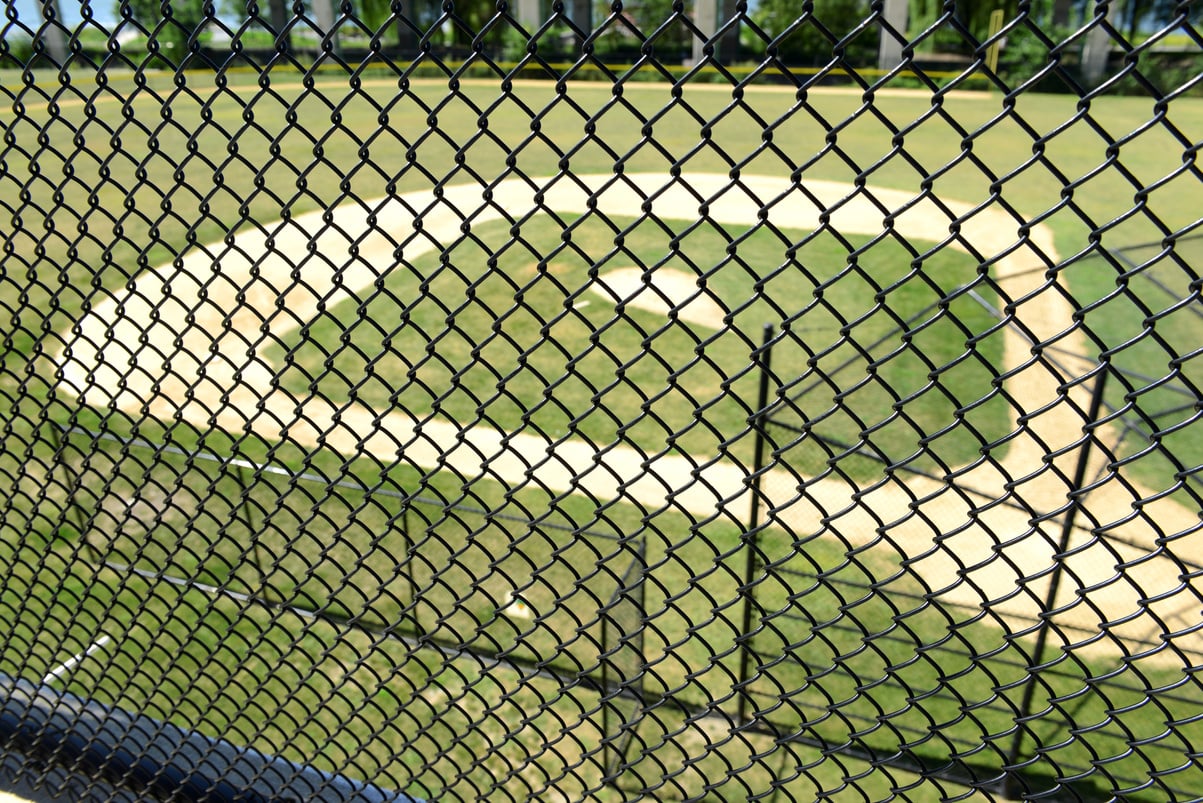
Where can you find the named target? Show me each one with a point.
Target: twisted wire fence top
(777, 401)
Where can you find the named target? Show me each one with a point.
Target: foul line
(74, 661)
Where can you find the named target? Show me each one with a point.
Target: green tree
(650, 15)
(168, 24)
(279, 13)
(472, 16)
(807, 42)
(375, 15)
(1149, 15)
(976, 16)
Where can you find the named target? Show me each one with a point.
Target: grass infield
(517, 336)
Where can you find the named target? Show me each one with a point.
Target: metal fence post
(256, 546)
(751, 536)
(1009, 789)
(616, 684)
(71, 486)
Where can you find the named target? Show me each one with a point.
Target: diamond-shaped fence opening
(661, 400)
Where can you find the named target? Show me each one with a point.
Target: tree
(1150, 15)
(168, 24)
(650, 15)
(472, 16)
(1061, 10)
(976, 16)
(279, 14)
(375, 14)
(807, 43)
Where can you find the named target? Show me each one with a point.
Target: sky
(28, 11)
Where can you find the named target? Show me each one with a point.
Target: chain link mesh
(778, 401)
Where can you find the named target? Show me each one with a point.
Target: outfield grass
(100, 191)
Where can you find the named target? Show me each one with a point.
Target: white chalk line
(55, 674)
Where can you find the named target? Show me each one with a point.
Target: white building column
(323, 15)
(51, 33)
(528, 14)
(705, 16)
(889, 51)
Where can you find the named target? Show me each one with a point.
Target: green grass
(855, 676)
(507, 336)
(852, 672)
(1144, 303)
(382, 557)
(96, 193)
(325, 696)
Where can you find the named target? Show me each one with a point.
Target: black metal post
(410, 548)
(751, 536)
(256, 546)
(617, 727)
(71, 485)
(1075, 504)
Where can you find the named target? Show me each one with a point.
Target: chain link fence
(676, 401)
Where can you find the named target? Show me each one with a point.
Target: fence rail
(502, 401)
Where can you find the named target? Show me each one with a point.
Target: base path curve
(188, 341)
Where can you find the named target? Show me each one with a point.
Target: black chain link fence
(777, 401)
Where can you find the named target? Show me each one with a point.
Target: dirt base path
(188, 342)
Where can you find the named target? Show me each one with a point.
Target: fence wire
(682, 401)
